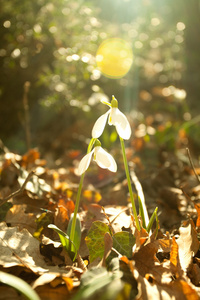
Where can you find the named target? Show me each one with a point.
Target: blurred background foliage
(50, 84)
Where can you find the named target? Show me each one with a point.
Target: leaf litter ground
(115, 260)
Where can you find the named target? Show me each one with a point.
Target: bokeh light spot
(114, 58)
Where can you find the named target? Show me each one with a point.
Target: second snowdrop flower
(115, 117)
(102, 158)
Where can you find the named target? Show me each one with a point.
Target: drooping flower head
(115, 117)
(102, 158)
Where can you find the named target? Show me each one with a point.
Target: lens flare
(114, 58)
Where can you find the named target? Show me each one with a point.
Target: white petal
(105, 160)
(84, 163)
(100, 125)
(122, 125)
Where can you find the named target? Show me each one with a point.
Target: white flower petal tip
(84, 163)
(122, 125)
(102, 158)
(105, 160)
(124, 133)
(99, 125)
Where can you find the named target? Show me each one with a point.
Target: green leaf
(18, 284)
(153, 217)
(95, 239)
(65, 241)
(123, 242)
(141, 211)
(77, 235)
(97, 281)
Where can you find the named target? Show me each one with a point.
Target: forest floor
(135, 265)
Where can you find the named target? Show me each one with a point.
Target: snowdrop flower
(102, 158)
(116, 118)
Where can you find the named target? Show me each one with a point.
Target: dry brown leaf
(141, 237)
(47, 292)
(195, 274)
(174, 258)
(188, 244)
(164, 244)
(197, 206)
(118, 217)
(16, 216)
(150, 289)
(94, 213)
(49, 277)
(46, 241)
(147, 263)
(8, 293)
(175, 290)
(63, 212)
(20, 248)
(188, 292)
(175, 266)
(29, 158)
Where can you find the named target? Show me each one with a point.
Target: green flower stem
(72, 233)
(92, 141)
(129, 184)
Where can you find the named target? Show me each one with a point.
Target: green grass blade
(141, 212)
(154, 216)
(67, 244)
(18, 284)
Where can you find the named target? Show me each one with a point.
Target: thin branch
(191, 162)
(18, 192)
(3, 147)
(26, 114)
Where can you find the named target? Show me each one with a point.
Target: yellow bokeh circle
(114, 57)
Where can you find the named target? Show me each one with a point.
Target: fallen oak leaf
(16, 216)
(146, 262)
(59, 292)
(20, 248)
(194, 274)
(51, 276)
(149, 289)
(19, 191)
(174, 259)
(178, 289)
(188, 244)
(145, 259)
(62, 213)
(141, 237)
(197, 206)
(187, 289)
(35, 186)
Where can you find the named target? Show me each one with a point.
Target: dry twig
(18, 192)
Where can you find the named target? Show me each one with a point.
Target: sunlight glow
(114, 58)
